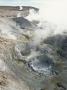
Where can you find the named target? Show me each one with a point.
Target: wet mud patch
(42, 64)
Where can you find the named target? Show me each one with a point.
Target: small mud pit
(42, 64)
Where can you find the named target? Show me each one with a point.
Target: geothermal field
(33, 52)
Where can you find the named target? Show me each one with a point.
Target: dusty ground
(8, 81)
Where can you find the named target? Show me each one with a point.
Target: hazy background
(54, 11)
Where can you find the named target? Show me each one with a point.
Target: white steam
(19, 13)
(20, 7)
(54, 13)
